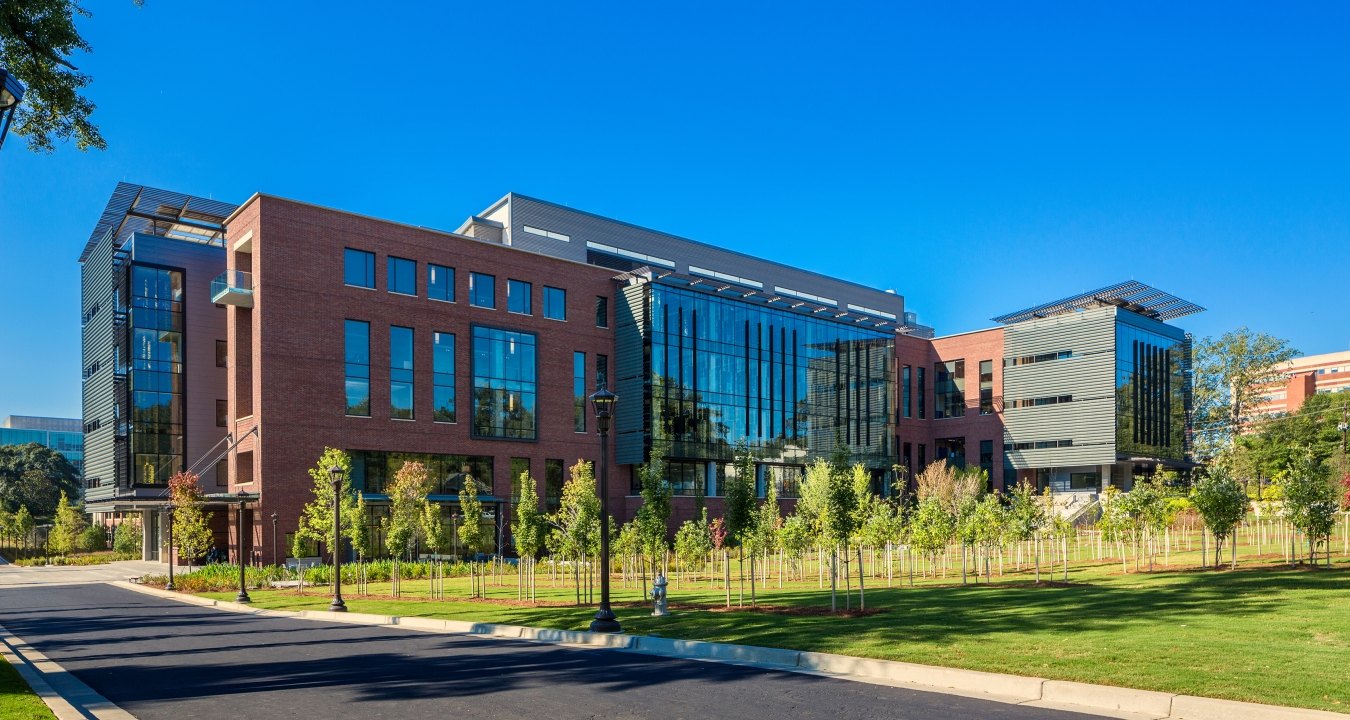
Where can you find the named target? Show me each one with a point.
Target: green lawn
(1267, 633)
(17, 701)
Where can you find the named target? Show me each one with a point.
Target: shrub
(127, 538)
(94, 538)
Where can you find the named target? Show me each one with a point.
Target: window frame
(474, 280)
(513, 298)
(347, 253)
(391, 261)
(450, 285)
(548, 291)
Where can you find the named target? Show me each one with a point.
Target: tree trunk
(726, 575)
(834, 602)
(752, 581)
(862, 596)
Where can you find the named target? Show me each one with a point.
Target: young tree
(840, 519)
(654, 513)
(69, 523)
(408, 506)
(1310, 501)
(931, 528)
(739, 506)
(23, 524)
(528, 528)
(985, 528)
(471, 533)
(316, 518)
(578, 518)
(1221, 502)
(127, 538)
(1025, 518)
(693, 541)
(761, 535)
(191, 524)
(1230, 373)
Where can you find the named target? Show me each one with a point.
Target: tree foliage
(1230, 372)
(409, 509)
(69, 522)
(693, 541)
(578, 516)
(1310, 500)
(1221, 502)
(191, 524)
(37, 41)
(528, 528)
(654, 513)
(34, 476)
(316, 518)
(472, 535)
(127, 538)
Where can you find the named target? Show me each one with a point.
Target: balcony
(233, 287)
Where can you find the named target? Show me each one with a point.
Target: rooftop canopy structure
(1129, 295)
(136, 208)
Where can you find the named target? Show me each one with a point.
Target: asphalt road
(161, 659)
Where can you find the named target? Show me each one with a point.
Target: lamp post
(242, 597)
(603, 401)
(274, 540)
(169, 551)
(337, 605)
(11, 94)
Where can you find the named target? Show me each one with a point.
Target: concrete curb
(62, 692)
(1014, 689)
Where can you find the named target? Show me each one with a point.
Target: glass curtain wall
(793, 386)
(156, 374)
(1151, 389)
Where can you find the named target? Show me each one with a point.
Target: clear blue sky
(977, 159)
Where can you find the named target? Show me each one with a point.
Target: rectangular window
(482, 290)
(923, 397)
(443, 377)
(987, 462)
(518, 297)
(923, 457)
(358, 268)
(222, 353)
(222, 413)
(1084, 481)
(579, 392)
(555, 303)
(400, 373)
(687, 478)
(402, 276)
(906, 401)
(223, 473)
(553, 484)
(504, 386)
(908, 456)
(949, 389)
(440, 282)
(602, 369)
(519, 466)
(601, 311)
(358, 367)
(953, 450)
(986, 387)
(156, 374)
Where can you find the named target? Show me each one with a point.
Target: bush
(94, 538)
(127, 538)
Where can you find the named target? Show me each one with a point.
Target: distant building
(64, 435)
(1305, 377)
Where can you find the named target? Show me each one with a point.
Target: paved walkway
(158, 658)
(15, 576)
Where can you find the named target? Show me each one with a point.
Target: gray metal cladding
(582, 227)
(1088, 376)
(630, 372)
(96, 335)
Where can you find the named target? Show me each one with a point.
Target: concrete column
(147, 535)
(1106, 476)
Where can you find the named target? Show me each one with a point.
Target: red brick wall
(296, 348)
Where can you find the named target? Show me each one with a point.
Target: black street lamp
(603, 400)
(274, 540)
(11, 94)
(170, 586)
(337, 605)
(242, 597)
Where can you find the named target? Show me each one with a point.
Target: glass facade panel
(358, 367)
(687, 478)
(402, 276)
(358, 268)
(482, 290)
(443, 377)
(518, 297)
(987, 463)
(906, 395)
(400, 373)
(440, 282)
(156, 374)
(922, 388)
(786, 479)
(579, 392)
(555, 303)
(372, 471)
(791, 385)
(986, 387)
(1152, 387)
(601, 311)
(953, 450)
(504, 371)
(553, 484)
(949, 389)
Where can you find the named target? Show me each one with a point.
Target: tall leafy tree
(38, 40)
(191, 524)
(33, 476)
(472, 535)
(1230, 374)
(69, 523)
(578, 518)
(408, 508)
(654, 513)
(316, 518)
(527, 530)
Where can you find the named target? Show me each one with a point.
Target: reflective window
(222, 353)
(579, 392)
(222, 413)
(518, 297)
(949, 389)
(402, 276)
(400, 373)
(443, 377)
(986, 387)
(601, 311)
(602, 369)
(906, 396)
(953, 450)
(358, 367)
(1151, 389)
(791, 384)
(786, 479)
(555, 303)
(553, 484)
(687, 478)
(987, 463)
(156, 374)
(504, 369)
(358, 268)
(440, 282)
(482, 290)
(923, 393)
